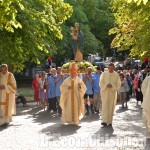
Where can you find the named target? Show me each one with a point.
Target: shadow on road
(147, 144)
(105, 131)
(90, 118)
(60, 130)
(42, 117)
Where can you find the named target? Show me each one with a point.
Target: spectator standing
(96, 89)
(35, 87)
(122, 90)
(59, 78)
(42, 89)
(129, 86)
(88, 79)
(135, 86)
(51, 90)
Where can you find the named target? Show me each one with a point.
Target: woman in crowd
(122, 90)
(35, 86)
(42, 89)
(135, 87)
(129, 86)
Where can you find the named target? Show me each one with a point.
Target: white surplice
(109, 95)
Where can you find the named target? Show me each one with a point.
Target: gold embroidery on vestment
(7, 97)
(12, 86)
(72, 99)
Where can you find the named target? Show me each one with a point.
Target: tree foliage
(95, 19)
(30, 28)
(33, 30)
(132, 19)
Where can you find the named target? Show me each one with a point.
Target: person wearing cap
(146, 104)
(71, 100)
(7, 95)
(109, 85)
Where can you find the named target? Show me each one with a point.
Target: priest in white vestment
(109, 85)
(7, 95)
(71, 99)
(146, 103)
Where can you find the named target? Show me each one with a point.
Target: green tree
(95, 19)
(131, 30)
(29, 29)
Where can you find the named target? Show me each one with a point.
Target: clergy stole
(72, 99)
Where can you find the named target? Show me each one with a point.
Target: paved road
(34, 129)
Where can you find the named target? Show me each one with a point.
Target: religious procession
(74, 75)
(74, 97)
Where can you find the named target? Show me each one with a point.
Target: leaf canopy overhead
(29, 29)
(131, 30)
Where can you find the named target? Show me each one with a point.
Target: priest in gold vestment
(71, 100)
(109, 85)
(7, 95)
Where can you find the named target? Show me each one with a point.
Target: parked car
(99, 62)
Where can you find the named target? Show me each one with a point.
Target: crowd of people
(47, 87)
(74, 95)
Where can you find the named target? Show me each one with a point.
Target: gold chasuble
(7, 97)
(71, 100)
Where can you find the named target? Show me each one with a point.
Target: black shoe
(87, 109)
(96, 111)
(5, 125)
(59, 112)
(104, 124)
(25, 105)
(110, 125)
(92, 110)
(54, 112)
(87, 113)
